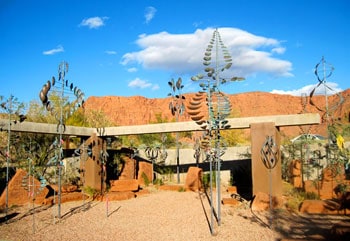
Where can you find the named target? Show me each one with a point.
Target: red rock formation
(144, 110)
(18, 195)
(194, 179)
(295, 170)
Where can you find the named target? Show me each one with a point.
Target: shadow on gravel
(114, 211)
(7, 219)
(82, 208)
(11, 217)
(212, 213)
(292, 226)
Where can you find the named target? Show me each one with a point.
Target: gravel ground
(160, 215)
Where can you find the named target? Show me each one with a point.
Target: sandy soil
(160, 215)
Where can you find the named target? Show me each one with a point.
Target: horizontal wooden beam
(235, 123)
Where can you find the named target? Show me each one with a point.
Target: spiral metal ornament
(324, 70)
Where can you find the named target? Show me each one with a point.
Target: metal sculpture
(324, 70)
(152, 153)
(28, 183)
(13, 108)
(210, 107)
(84, 151)
(64, 88)
(177, 108)
(269, 157)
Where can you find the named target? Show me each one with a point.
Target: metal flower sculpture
(63, 88)
(210, 107)
(177, 108)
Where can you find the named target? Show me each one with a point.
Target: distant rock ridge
(138, 110)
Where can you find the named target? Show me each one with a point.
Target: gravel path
(160, 215)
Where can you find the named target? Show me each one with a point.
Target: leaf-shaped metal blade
(197, 118)
(178, 83)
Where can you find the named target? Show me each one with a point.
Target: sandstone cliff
(137, 110)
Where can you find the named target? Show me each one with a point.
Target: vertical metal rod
(64, 70)
(177, 154)
(8, 157)
(218, 188)
(33, 193)
(217, 141)
(270, 197)
(324, 85)
(211, 195)
(83, 153)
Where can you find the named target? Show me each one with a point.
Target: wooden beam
(235, 123)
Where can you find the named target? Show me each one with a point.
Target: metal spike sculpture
(177, 108)
(64, 88)
(209, 108)
(84, 151)
(12, 107)
(269, 157)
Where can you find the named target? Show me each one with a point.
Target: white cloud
(110, 52)
(142, 84)
(183, 53)
(278, 50)
(331, 89)
(155, 87)
(149, 14)
(132, 70)
(56, 50)
(94, 22)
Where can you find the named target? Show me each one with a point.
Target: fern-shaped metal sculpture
(209, 108)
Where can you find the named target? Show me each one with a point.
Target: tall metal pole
(62, 70)
(8, 155)
(177, 152)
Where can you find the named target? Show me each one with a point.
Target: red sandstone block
(171, 187)
(319, 207)
(125, 185)
(194, 179)
(231, 189)
(230, 201)
(118, 196)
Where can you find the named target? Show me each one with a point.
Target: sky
(133, 48)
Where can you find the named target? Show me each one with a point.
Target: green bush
(145, 179)
(91, 192)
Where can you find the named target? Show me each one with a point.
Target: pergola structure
(261, 127)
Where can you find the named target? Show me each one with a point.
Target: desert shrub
(295, 196)
(145, 179)
(90, 191)
(158, 181)
(182, 189)
(206, 180)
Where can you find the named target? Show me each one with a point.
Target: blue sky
(128, 48)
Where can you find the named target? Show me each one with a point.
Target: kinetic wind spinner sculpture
(177, 108)
(210, 107)
(12, 107)
(64, 88)
(324, 70)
